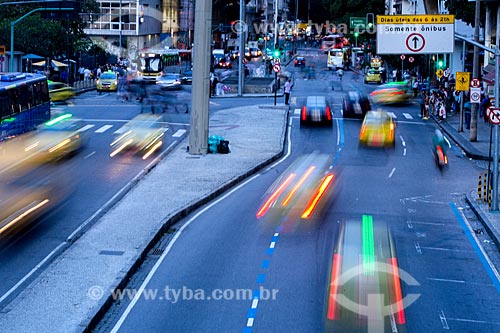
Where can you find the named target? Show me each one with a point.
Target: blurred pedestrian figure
(287, 88)
(421, 101)
(214, 85)
(340, 73)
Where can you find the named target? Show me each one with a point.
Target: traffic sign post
(494, 115)
(475, 95)
(439, 73)
(415, 34)
(402, 57)
(462, 81)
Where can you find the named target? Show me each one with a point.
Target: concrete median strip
(64, 297)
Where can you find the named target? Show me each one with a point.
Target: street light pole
(494, 194)
(120, 51)
(13, 23)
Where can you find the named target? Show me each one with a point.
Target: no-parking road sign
(276, 68)
(494, 115)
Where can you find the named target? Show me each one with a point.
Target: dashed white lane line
(120, 130)
(392, 172)
(250, 322)
(255, 302)
(459, 281)
(92, 153)
(296, 112)
(103, 128)
(407, 115)
(393, 115)
(444, 322)
(179, 133)
(85, 128)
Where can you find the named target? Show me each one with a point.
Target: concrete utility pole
(475, 74)
(494, 194)
(241, 33)
(276, 29)
(198, 135)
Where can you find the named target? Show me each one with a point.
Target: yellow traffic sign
(462, 81)
(439, 73)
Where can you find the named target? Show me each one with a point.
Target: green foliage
(340, 10)
(463, 10)
(43, 36)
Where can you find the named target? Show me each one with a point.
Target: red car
(300, 61)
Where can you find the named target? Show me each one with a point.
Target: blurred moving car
(299, 62)
(355, 105)
(373, 76)
(391, 93)
(364, 290)
(56, 139)
(187, 77)
(316, 110)
(60, 92)
(378, 129)
(224, 63)
(300, 193)
(255, 52)
(107, 82)
(169, 81)
(142, 135)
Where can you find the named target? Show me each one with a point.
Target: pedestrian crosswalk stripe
(296, 112)
(179, 133)
(103, 128)
(120, 130)
(293, 100)
(392, 115)
(407, 115)
(85, 128)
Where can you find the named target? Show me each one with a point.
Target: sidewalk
(480, 151)
(76, 287)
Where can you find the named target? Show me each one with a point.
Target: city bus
(335, 41)
(152, 63)
(335, 59)
(24, 103)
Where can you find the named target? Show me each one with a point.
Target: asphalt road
(226, 248)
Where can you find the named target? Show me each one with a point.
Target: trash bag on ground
(217, 145)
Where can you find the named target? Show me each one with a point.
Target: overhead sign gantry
(415, 34)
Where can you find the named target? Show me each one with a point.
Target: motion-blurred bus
(335, 41)
(24, 103)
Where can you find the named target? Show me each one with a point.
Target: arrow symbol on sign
(415, 41)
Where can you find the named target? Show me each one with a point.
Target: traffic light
(276, 53)
(440, 63)
(356, 34)
(370, 20)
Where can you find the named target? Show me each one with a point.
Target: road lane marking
(92, 153)
(427, 223)
(85, 128)
(103, 129)
(392, 172)
(404, 152)
(179, 133)
(475, 321)
(409, 224)
(483, 257)
(460, 281)
(296, 112)
(443, 249)
(393, 115)
(27, 276)
(444, 322)
(120, 130)
(403, 142)
(178, 234)
(417, 247)
(407, 115)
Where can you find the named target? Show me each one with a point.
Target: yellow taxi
(373, 76)
(378, 130)
(60, 92)
(143, 135)
(393, 92)
(54, 140)
(107, 82)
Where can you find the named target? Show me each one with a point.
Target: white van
(335, 59)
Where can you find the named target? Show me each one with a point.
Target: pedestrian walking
(287, 89)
